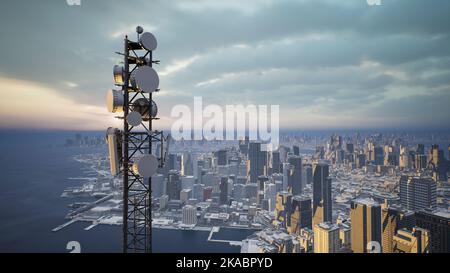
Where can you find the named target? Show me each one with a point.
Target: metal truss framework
(137, 216)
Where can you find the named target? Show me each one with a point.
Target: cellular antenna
(137, 151)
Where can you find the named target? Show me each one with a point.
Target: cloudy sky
(327, 64)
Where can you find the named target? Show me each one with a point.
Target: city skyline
(327, 64)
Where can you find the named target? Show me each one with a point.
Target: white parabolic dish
(146, 166)
(114, 101)
(146, 79)
(148, 41)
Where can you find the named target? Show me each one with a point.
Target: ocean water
(35, 167)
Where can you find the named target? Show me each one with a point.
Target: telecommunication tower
(137, 151)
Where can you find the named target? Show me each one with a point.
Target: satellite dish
(118, 74)
(114, 101)
(148, 41)
(139, 30)
(141, 106)
(146, 79)
(134, 118)
(146, 166)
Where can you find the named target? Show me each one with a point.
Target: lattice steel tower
(137, 151)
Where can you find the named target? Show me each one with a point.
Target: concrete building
(365, 215)
(326, 238)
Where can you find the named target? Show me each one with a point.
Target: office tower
(173, 162)
(286, 174)
(301, 214)
(276, 162)
(415, 241)
(437, 163)
(345, 236)
(224, 190)
(163, 200)
(270, 194)
(326, 238)
(261, 180)
(251, 190)
(157, 185)
(186, 164)
(189, 215)
(417, 193)
(174, 185)
(243, 145)
(295, 179)
(393, 218)
(239, 191)
(404, 157)
(185, 195)
(187, 182)
(349, 147)
(438, 224)
(221, 157)
(365, 215)
(197, 192)
(207, 193)
(360, 161)
(420, 149)
(379, 155)
(282, 209)
(420, 162)
(370, 151)
(307, 170)
(256, 163)
(296, 150)
(321, 194)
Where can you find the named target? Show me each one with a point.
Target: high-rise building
(393, 218)
(326, 238)
(295, 179)
(379, 155)
(404, 157)
(437, 163)
(415, 241)
(365, 215)
(276, 162)
(185, 195)
(221, 157)
(174, 185)
(438, 224)
(157, 185)
(417, 193)
(296, 150)
(256, 163)
(322, 203)
(283, 209)
(189, 215)
(186, 164)
(224, 190)
(301, 214)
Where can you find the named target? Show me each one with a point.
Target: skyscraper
(295, 179)
(365, 215)
(221, 157)
(326, 238)
(301, 214)
(321, 194)
(415, 241)
(276, 162)
(256, 161)
(224, 190)
(283, 209)
(417, 193)
(393, 218)
(438, 224)
(174, 185)
(189, 215)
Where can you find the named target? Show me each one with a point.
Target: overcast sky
(327, 64)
